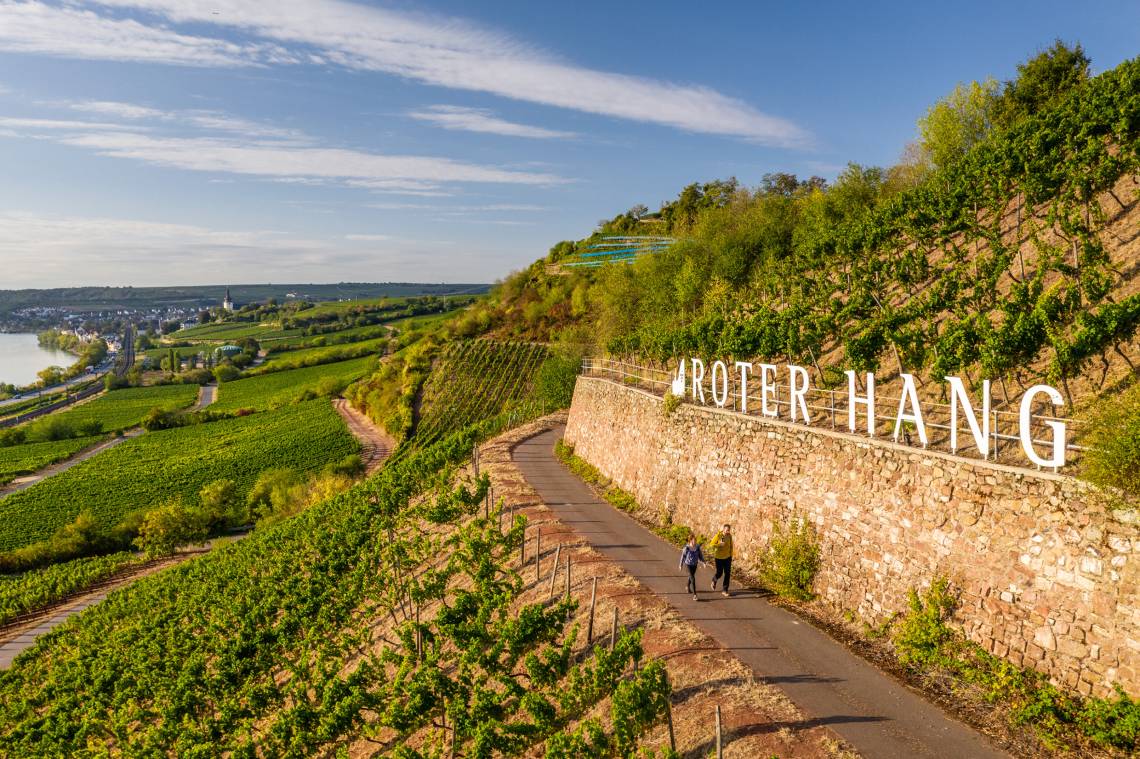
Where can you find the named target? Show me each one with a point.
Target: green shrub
(554, 381)
(672, 403)
(1113, 722)
(791, 559)
(169, 526)
(922, 632)
(1113, 460)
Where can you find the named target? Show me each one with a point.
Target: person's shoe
(695, 597)
(724, 593)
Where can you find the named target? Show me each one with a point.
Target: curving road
(874, 713)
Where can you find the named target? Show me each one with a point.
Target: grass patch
(286, 387)
(925, 642)
(152, 469)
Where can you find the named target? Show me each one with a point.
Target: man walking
(721, 549)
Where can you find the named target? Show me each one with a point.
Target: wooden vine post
(538, 555)
(554, 571)
(613, 629)
(669, 714)
(719, 736)
(593, 602)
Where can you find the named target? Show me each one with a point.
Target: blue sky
(150, 142)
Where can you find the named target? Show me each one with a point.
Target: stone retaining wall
(1048, 578)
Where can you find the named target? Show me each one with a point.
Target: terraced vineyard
(476, 380)
(285, 387)
(234, 331)
(262, 648)
(122, 409)
(16, 460)
(147, 471)
(322, 355)
(20, 594)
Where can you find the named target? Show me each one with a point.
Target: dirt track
(375, 445)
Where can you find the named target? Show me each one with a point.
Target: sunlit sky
(151, 142)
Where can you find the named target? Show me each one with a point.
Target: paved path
(877, 715)
(27, 636)
(207, 394)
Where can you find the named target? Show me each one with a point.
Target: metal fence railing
(828, 408)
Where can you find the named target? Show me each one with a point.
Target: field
(184, 351)
(16, 460)
(285, 387)
(233, 331)
(263, 632)
(123, 409)
(321, 355)
(476, 380)
(326, 339)
(155, 467)
(32, 590)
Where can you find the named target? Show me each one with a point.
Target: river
(21, 357)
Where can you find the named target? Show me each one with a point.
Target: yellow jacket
(721, 546)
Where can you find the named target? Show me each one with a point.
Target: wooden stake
(719, 737)
(567, 577)
(613, 630)
(522, 552)
(593, 602)
(554, 571)
(669, 713)
(538, 555)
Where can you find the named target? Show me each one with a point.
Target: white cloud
(481, 120)
(458, 209)
(60, 251)
(298, 161)
(121, 110)
(13, 123)
(34, 27)
(202, 119)
(367, 237)
(316, 163)
(445, 52)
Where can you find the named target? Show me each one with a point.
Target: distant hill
(104, 298)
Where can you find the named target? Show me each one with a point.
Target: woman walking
(690, 556)
(721, 547)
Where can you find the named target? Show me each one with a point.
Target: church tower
(228, 303)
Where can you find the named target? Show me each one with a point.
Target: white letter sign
(768, 390)
(909, 394)
(1058, 428)
(745, 367)
(722, 399)
(981, 434)
(797, 391)
(698, 380)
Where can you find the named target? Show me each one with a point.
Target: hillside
(1016, 262)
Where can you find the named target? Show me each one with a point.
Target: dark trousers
(692, 586)
(723, 566)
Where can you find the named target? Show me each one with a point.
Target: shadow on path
(877, 715)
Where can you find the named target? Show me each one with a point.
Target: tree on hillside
(959, 121)
(1041, 81)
